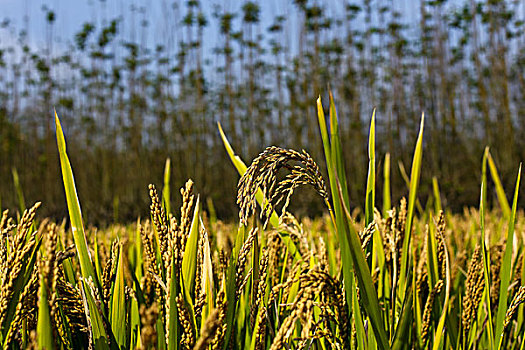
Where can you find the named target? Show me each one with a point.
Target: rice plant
(399, 278)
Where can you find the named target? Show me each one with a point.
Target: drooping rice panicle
(518, 299)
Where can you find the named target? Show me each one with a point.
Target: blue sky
(70, 15)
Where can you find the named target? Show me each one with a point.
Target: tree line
(127, 103)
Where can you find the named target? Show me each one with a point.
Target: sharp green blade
(173, 339)
(402, 336)
(73, 205)
(412, 196)
(371, 180)
(166, 189)
(366, 285)
(506, 267)
(189, 258)
(19, 192)
(437, 196)
(502, 198)
(386, 185)
(118, 305)
(44, 331)
(97, 325)
(486, 267)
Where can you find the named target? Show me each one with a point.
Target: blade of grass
(73, 205)
(337, 178)
(402, 335)
(432, 259)
(118, 305)
(166, 189)
(500, 192)
(486, 267)
(96, 258)
(386, 185)
(189, 259)
(358, 319)
(96, 324)
(43, 328)
(371, 188)
(173, 327)
(19, 192)
(437, 196)
(418, 308)
(207, 280)
(338, 220)
(484, 176)
(412, 196)
(371, 180)
(337, 153)
(366, 285)
(506, 267)
(134, 324)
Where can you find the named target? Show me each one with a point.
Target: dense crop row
(183, 280)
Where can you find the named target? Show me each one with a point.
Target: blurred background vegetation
(128, 102)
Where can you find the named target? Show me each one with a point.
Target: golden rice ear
(428, 310)
(187, 339)
(473, 291)
(211, 327)
(518, 299)
(242, 259)
(262, 173)
(148, 331)
(258, 302)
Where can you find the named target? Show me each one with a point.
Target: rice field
(404, 276)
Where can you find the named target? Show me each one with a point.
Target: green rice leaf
(502, 198)
(486, 267)
(386, 185)
(189, 259)
(73, 205)
(19, 192)
(166, 198)
(43, 327)
(134, 324)
(402, 335)
(96, 324)
(371, 180)
(412, 196)
(118, 306)
(366, 285)
(207, 280)
(173, 327)
(358, 319)
(506, 267)
(337, 152)
(437, 196)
